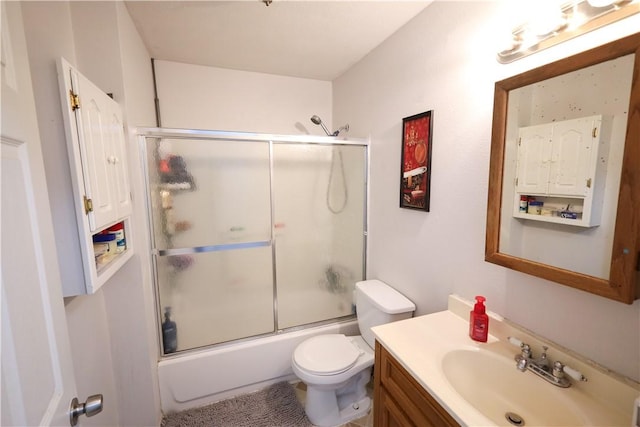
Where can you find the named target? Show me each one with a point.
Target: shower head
(318, 121)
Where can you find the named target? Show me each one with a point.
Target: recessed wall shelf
(97, 152)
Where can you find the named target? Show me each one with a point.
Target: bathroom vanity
(428, 372)
(400, 399)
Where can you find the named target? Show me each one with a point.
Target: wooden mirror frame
(624, 277)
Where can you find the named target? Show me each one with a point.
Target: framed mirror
(564, 175)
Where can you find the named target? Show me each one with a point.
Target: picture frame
(415, 165)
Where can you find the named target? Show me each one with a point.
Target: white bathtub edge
(205, 377)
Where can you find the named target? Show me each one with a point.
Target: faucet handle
(576, 375)
(559, 370)
(526, 349)
(515, 341)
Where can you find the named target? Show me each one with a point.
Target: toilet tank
(378, 303)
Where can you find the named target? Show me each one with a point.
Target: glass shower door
(253, 234)
(319, 195)
(211, 231)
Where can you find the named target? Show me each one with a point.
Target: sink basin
(478, 383)
(491, 383)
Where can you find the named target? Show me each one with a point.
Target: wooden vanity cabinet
(399, 400)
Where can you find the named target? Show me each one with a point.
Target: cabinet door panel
(122, 196)
(571, 158)
(391, 415)
(103, 151)
(400, 399)
(95, 147)
(533, 160)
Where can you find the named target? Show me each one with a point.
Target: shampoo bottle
(479, 321)
(169, 333)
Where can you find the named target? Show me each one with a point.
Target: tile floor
(366, 421)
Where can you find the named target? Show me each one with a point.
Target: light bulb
(546, 19)
(600, 3)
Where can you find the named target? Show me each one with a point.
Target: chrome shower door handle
(91, 407)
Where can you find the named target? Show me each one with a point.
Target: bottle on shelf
(169, 333)
(523, 204)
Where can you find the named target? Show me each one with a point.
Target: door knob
(91, 407)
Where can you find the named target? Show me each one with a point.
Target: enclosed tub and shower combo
(257, 241)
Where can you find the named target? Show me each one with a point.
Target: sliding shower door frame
(144, 136)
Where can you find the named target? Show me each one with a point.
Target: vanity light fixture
(601, 3)
(567, 21)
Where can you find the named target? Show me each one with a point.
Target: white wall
(129, 294)
(444, 60)
(112, 335)
(199, 97)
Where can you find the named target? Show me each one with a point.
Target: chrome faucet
(522, 359)
(542, 361)
(541, 366)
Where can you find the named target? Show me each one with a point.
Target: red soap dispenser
(479, 321)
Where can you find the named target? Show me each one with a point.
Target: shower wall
(252, 236)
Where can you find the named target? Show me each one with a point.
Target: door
(534, 147)
(92, 119)
(95, 130)
(574, 141)
(37, 372)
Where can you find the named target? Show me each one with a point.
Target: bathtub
(200, 378)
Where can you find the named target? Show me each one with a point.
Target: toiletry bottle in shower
(479, 321)
(169, 333)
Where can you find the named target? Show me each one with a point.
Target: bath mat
(275, 406)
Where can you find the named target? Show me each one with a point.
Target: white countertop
(420, 343)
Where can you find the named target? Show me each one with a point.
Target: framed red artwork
(415, 170)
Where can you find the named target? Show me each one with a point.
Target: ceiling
(308, 39)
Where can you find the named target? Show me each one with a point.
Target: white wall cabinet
(99, 172)
(560, 165)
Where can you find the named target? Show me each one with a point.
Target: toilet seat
(328, 354)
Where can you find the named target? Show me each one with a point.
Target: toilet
(337, 368)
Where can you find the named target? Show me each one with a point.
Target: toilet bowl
(337, 368)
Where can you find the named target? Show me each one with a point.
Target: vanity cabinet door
(399, 400)
(388, 413)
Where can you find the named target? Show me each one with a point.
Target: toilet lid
(326, 354)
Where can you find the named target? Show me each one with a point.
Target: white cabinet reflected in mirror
(563, 189)
(561, 171)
